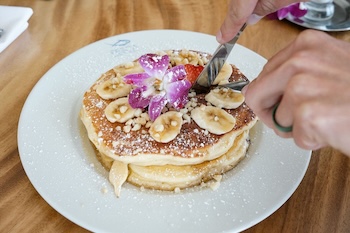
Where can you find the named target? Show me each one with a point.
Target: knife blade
(211, 70)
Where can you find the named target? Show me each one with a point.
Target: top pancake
(193, 145)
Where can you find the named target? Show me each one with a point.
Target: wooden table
(59, 27)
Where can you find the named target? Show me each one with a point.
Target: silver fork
(236, 85)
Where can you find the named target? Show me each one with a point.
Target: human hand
(310, 79)
(241, 11)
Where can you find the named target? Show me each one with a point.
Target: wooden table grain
(59, 27)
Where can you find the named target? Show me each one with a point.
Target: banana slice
(166, 127)
(225, 98)
(223, 75)
(119, 111)
(213, 119)
(129, 68)
(113, 88)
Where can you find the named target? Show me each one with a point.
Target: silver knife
(211, 70)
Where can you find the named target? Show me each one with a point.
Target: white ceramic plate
(60, 162)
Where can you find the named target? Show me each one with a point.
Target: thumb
(238, 13)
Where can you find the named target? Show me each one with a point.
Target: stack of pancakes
(199, 152)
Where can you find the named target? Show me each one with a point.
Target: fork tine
(237, 85)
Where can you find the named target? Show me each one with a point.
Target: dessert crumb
(104, 190)
(214, 185)
(177, 190)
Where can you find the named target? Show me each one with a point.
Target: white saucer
(339, 22)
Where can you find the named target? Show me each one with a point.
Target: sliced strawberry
(192, 72)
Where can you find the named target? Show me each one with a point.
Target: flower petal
(177, 93)
(272, 16)
(297, 10)
(156, 105)
(283, 13)
(138, 79)
(174, 74)
(154, 65)
(137, 100)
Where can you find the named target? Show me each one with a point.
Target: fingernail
(219, 37)
(313, 144)
(254, 18)
(244, 89)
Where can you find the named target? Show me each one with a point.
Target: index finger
(241, 11)
(237, 15)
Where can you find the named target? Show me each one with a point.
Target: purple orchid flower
(158, 85)
(297, 10)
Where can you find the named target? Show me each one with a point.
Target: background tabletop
(59, 27)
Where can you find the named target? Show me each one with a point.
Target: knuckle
(299, 60)
(296, 88)
(306, 114)
(265, 7)
(308, 122)
(310, 38)
(235, 17)
(302, 57)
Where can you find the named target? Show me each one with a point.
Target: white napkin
(13, 20)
